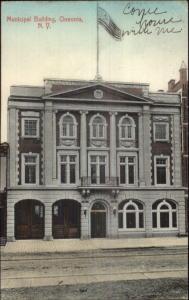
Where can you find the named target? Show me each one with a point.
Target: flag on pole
(106, 21)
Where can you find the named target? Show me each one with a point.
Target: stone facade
(111, 147)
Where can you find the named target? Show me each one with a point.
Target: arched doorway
(29, 219)
(98, 220)
(66, 216)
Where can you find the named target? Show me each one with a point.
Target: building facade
(92, 159)
(181, 86)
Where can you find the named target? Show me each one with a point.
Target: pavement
(74, 245)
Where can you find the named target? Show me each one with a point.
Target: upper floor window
(131, 215)
(68, 168)
(164, 214)
(127, 168)
(126, 128)
(98, 127)
(161, 131)
(161, 170)
(98, 169)
(30, 127)
(30, 168)
(68, 126)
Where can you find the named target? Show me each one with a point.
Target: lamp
(114, 210)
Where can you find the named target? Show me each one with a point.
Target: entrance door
(98, 221)
(29, 220)
(66, 219)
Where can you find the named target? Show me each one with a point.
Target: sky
(61, 49)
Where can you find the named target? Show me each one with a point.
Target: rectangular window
(30, 169)
(30, 127)
(161, 131)
(131, 220)
(162, 170)
(120, 219)
(98, 169)
(127, 169)
(68, 169)
(164, 219)
(154, 220)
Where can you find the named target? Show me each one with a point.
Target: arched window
(164, 214)
(68, 126)
(126, 128)
(98, 127)
(131, 215)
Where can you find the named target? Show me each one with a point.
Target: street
(100, 274)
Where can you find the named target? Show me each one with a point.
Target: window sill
(131, 229)
(30, 137)
(165, 229)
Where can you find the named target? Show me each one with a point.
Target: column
(148, 219)
(54, 173)
(10, 221)
(141, 150)
(12, 139)
(147, 145)
(176, 144)
(83, 145)
(48, 143)
(48, 222)
(85, 220)
(113, 166)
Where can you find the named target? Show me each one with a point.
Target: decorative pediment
(97, 92)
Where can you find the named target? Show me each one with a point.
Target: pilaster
(176, 142)
(48, 143)
(83, 144)
(113, 144)
(13, 136)
(141, 150)
(48, 222)
(146, 145)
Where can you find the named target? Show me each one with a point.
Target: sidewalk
(74, 245)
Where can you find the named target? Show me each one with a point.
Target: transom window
(164, 214)
(30, 127)
(127, 169)
(68, 169)
(126, 128)
(68, 126)
(131, 215)
(161, 131)
(162, 173)
(30, 169)
(98, 166)
(98, 127)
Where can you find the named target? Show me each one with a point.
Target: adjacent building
(181, 86)
(92, 159)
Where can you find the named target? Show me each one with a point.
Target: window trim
(167, 166)
(124, 211)
(98, 153)
(23, 155)
(133, 126)
(104, 127)
(71, 153)
(23, 127)
(167, 131)
(68, 137)
(128, 154)
(170, 210)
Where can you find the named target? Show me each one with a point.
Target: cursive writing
(147, 25)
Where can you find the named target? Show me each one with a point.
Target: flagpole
(97, 42)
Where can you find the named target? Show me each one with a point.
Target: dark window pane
(130, 207)
(72, 173)
(131, 220)
(161, 175)
(122, 174)
(164, 219)
(93, 174)
(120, 219)
(141, 220)
(154, 220)
(174, 219)
(164, 206)
(98, 206)
(30, 174)
(131, 174)
(173, 205)
(102, 174)
(63, 174)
